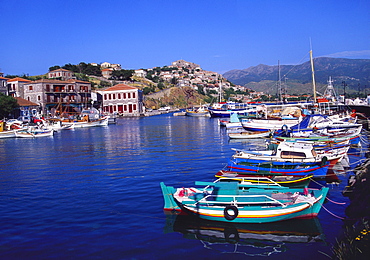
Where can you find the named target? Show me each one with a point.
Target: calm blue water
(94, 194)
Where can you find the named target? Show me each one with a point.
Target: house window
(124, 96)
(128, 95)
(134, 107)
(105, 96)
(125, 107)
(114, 96)
(38, 98)
(133, 95)
(110, 96)
(119, 95)
(31, 88)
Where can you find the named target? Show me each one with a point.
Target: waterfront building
(16, 86)
(123, 100)
(26, 110)
(57, 96)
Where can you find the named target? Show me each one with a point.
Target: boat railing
(233, 200)
(252, 181)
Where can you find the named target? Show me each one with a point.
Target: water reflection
(248, 239)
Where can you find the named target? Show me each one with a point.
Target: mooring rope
(331, 212)
(339, 203)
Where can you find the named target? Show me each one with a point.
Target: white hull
(82, 124)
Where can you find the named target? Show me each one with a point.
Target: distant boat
(225, 109)
(249, 135)
(197, 111)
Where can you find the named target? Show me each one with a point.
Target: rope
(331, 212)
(339, 203)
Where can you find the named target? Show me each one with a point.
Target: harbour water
(93, 193)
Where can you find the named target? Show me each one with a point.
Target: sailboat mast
(313, 77)
(280, 90)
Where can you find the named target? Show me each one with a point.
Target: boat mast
(280, 89)
(220, 92)
(313, 76)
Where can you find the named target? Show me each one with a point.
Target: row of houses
(61, 94)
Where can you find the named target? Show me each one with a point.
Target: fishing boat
(267, 124)
(89, 117)
(230, 202)
(271, 168)
(225, 109)
(234, 121)
(249, 135)
(34, 132)
(8, 128)
(197, 111)
(293, 152)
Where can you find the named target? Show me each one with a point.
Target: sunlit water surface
(94, 194)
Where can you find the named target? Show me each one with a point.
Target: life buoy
(230, 209)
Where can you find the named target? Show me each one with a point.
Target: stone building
(16, 86)
(58, 95)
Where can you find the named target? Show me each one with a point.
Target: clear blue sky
(218, 35)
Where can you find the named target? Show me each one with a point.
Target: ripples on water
(94, 193)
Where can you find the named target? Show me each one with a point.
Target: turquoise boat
(244, 203)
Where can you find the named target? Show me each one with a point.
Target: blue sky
(217, 35)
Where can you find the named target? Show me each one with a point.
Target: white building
(123, 100)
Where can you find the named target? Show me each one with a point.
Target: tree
(54, 68)
(7, 105)
(122, 74)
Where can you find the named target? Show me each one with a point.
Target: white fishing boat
(89, 117)
(249, 135)
(34, 132)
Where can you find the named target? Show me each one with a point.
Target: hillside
(355, 72)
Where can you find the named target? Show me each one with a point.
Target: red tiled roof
(60, 70)
(23, 102)
(119, 87)
(4, 78)
(19, 79)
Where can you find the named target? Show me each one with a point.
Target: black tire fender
(232, 208)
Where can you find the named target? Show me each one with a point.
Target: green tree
(122, 74)
(161, 85)
(54, 68)
(7, 105)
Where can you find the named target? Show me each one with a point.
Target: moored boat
(249, 135)
(229, 202)
(34, 132)
(89, 117)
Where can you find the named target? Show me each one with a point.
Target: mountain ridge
(355, 72)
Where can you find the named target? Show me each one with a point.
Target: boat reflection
(247, 239)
